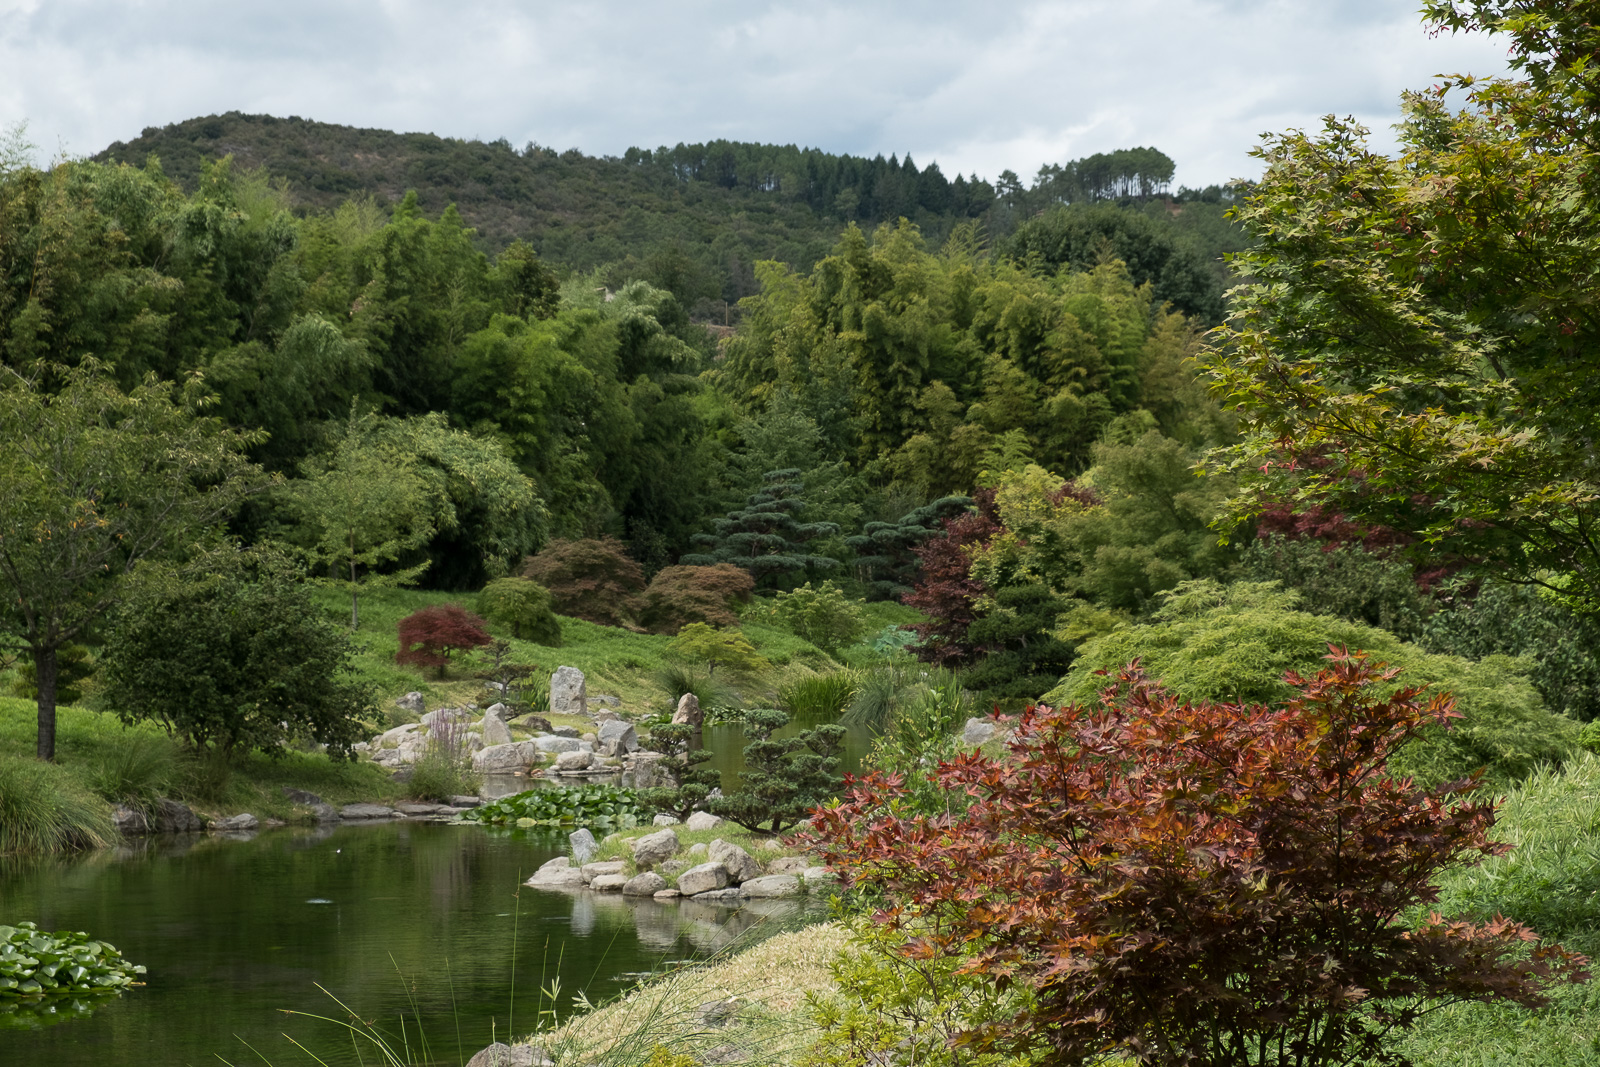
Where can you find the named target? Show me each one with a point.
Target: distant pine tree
(766, 536)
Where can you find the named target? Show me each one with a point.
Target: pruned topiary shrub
(525, 605)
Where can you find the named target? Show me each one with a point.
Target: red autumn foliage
(680, 595)
(945, 590)
(1198, 884)
(592, 578)
(429, 636)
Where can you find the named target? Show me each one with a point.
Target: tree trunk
(355, 614)
(44, 666)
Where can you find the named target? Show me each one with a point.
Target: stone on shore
(818, 874)
(175, 818)
(788, 865)
(583, 846)
(609, 883)
(495, 730)
(556, 878)
(771, 885)
(551, 743)
(651, 849)
(366, 811)
(244, 821)
(647, 884)
(740, 864)
(575, 761)
(617, 739)
(705, 878)
(503, 1055)
(591, 871)
(128, 821)
(505, 759)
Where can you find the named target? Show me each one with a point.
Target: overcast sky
(979, 87)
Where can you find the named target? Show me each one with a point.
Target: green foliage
(34, 963)
(591, 805)
(699, 643)
(135, 772)
(680, 595)
(1346, 580)
(884, 550)
(824, 616)
(691, 782)
(818, 697)
(1397, 354)
(894, 1002)
(784, 778)
(525, 605)
(676, 679)
(439, 775)
(1235, 643)
(98, 481)
(233, 653)
(591, 578)
(766, 536)
(1107, 828)
(73, 666)
(1561, 646)
(44, 810)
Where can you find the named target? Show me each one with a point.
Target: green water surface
(400, 921)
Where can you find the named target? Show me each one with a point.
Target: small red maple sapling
(1199, 884)
(429, 636)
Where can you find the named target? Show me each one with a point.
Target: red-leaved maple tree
(1199, 884)
(429, 636)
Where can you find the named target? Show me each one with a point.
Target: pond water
(398, 920)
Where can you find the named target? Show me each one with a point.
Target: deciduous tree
(1199, 884)
(430, 636)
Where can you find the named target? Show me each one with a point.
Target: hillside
(694, 219)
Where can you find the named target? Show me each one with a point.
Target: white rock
(495, 730)
(411, 702)
(646, 884)
(574, 761)
(568, 695)
(506, 759)
(617, 738)
(664, 820)
(608, 883)
(583, 846)
(818, 874)
(560, 878)
(704, 820)
(591, 871)
(977, 731)
(551, 743)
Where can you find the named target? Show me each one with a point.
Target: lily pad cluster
(34, 963)
(559, 807)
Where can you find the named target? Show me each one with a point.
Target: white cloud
(977, 88)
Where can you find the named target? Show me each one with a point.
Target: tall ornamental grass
(42, 810)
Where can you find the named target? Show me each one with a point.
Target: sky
(977, 87)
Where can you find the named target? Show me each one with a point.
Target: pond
(401, 920)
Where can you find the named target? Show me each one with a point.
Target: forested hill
(695, 219)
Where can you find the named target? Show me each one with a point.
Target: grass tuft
(43, 809)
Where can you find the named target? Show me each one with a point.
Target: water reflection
(396, 919)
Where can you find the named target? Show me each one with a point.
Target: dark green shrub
(236, 655)
(73, 667)
(784, 778)
(1345, 580)
(523, 605)
(692, 783)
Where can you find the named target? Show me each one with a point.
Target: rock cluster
(727, 875)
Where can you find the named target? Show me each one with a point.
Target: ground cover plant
(36, 963)
(1129, 860)
(594, 804)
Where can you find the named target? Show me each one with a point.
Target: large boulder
(175, 818)
(129, 821)
(652, 849)
(236, 822)
(411, 702)
(617, 739)
(706, 878)
(583, 846)
(574, 761)
(608, 883)
(688, 712)
(567, 693)
(646, 884)
(506, 759)
(741, 865)
(788, 865)
(704, 820)
(591, 871)
(553, 877)
(771, 885)
(495, 730)
(549, 743)
(977, 731)
(646, 770)
(440, 716)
